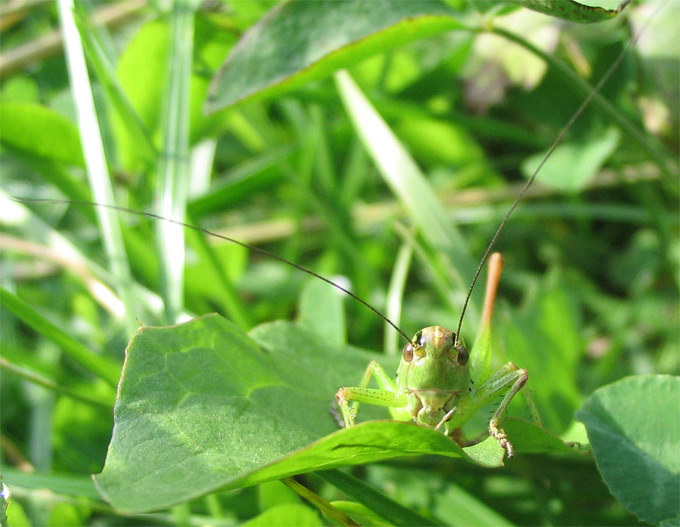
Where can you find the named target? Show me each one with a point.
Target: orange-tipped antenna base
(492, 279)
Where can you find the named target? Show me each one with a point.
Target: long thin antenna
(220, 236)
(555, 144)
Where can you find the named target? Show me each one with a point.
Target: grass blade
(374, 500)
(173, 166)
(95, 160)
(102, 367)
(407, 182)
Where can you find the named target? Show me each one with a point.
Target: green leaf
(298, 41)
(585, 11)
(634, 428)
(35, 130)
(141, 73)
(202, 407)
(322, 312)
(200, 404)
(573, 165)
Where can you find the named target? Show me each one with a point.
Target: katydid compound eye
(463, 355)
(408, 352)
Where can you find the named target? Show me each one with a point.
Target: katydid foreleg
(388, 395)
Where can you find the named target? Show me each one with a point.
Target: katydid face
(433, 373)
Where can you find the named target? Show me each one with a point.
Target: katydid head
(433, 359)
(435, 343)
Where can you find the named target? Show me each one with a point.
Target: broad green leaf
(201, 403)
(35, 130)
(584, 11)
(634, 429)
(573, 165)
(201, 406)
(297, 42)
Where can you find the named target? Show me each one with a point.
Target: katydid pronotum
(433, 381)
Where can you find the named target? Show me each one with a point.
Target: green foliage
(300, 42)
(259, 403)
(36, 131)
(634, 425)
(440, 110)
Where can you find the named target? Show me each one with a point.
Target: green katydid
(433, 384)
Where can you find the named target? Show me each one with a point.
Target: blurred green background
(591, 253)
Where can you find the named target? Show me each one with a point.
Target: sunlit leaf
(634, 428)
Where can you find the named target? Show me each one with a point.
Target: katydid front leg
(388, 395)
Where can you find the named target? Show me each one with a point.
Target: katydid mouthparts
(433, 385)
